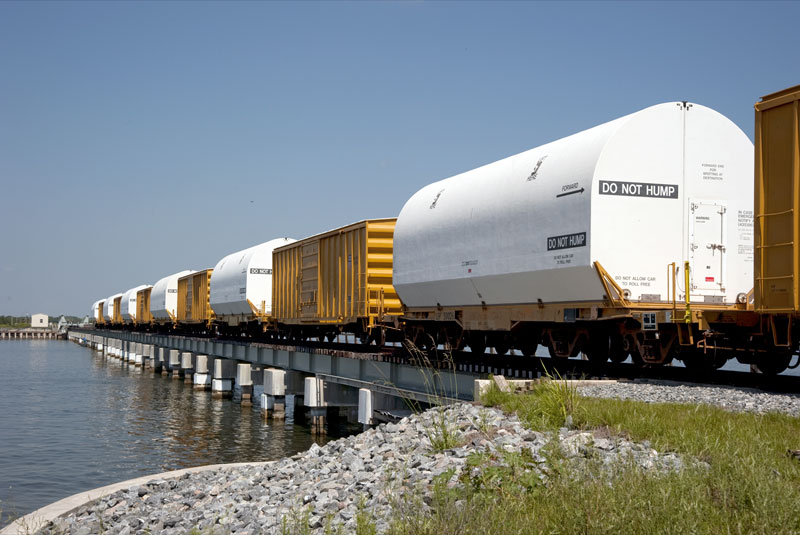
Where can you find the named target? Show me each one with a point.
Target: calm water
(71, 421)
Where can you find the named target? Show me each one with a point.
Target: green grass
(745, 484)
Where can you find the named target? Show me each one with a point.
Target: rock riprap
(370, 474)
(726, 397)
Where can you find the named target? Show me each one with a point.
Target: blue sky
(140, 139)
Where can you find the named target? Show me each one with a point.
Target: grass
(746, 483)
(297, 522)
(441, 432)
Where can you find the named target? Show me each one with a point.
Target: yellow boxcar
(143, 315)
(777, 203)
(116, 311)
(193, 295)
(339, 278)
(99, 318)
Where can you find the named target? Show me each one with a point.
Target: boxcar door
(309, 280)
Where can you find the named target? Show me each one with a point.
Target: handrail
(687, 316)
(614, 293)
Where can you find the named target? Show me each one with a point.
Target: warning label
(567, 241)
(638, 189)
(713, 171)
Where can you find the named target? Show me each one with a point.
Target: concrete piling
(174, 364)
(158, 360)
(273, 400)
(224, 375)
(187, 366)
(244, 384)
(147, 356)
(203, 372)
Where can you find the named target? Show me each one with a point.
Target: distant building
(39, 321)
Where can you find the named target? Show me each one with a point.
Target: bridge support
(187, 366)
(174, 364)
(273, 400)
(326, 399)
(137, 355)
(243, 390)
(370, 402)
(203, 371)
(158, 360)
(224, 375)
(147, 356)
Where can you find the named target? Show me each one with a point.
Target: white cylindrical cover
(95, 309)
(128, 304)
(164, 296)
(108, 306)
(244, 276)
(670, 183)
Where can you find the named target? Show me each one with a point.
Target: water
(72, 421)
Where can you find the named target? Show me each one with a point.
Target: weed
(330, 528)
(442, 434)
(553, 403)
(296, 522)
(364, 524)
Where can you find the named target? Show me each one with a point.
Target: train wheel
(697, 361)
(477, 343)
(451, 340)
(501, 345)
(629, 347)
(617, 352)
(429, 344)
(380, 337)
(528, 349)
(580, 344)
(597, 348)
(773, 364)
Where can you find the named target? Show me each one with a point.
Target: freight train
(643, 237)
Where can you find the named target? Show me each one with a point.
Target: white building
(39, 321)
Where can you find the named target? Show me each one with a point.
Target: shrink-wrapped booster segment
(128, 304)
(670, 183)
(243, 280)
(164, 297)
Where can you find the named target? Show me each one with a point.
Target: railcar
(777, 229)
(164, 301)
(615, 241)
(339, 281)
(128, 306)
(111, 311)
(144, 318)
(241, 289)
(194, 311)
(97, 312)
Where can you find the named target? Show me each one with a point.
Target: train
(664, 234)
